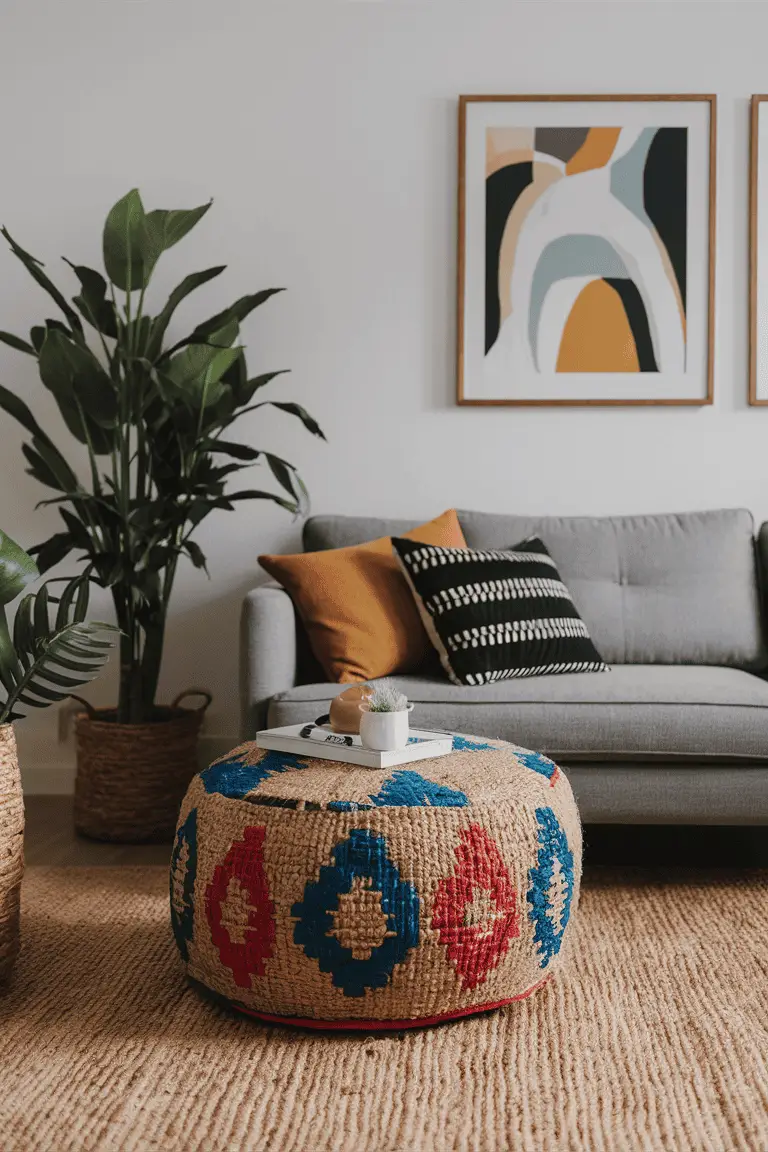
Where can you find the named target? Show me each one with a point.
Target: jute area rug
(655, 1038)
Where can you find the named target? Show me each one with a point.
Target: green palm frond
(65, 660)
(53, 650)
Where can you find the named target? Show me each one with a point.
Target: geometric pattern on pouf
(330, 895)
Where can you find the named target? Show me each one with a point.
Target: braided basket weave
(330, 895)
(131, 778)
(11, 850)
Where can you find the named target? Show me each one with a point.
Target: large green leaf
(293, 409)
(196, 370)
(35, 269)
(93, 302)
(255, 494)
(236, 451)
(17, 569)
(39, 469)
(166, 226)
(83, 428)
(54, 550)
(17, 343)
(126, 243)
(15, 407)
(162, 320)
(196, 555)
(225, 337)
(245, 391)
(237, 311)
(73, 374)
(283, 473)
(78, 532)
(134, 240)
(65, 477)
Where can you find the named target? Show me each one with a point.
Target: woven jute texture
(654, 1038)
(131, 777)
(11, 850)
(322, 891)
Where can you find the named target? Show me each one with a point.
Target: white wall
(326, 133)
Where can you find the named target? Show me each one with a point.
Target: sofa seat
(634, 712)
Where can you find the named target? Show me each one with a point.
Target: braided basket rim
(169, 716)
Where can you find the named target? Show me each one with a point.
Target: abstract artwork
(758, 255)
(586, 250)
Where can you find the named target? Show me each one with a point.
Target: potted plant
(384, 723)
(50, 651)
(150, 418)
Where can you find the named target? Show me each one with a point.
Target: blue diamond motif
(235, 779)
(362, 856)
(537, 763)
(462, 744)
(406, 789)
(554, 847)
(182, 902)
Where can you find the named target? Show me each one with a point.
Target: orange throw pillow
(359, 613)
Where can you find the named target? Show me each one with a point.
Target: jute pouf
(328, 895)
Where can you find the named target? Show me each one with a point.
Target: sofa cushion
(356, 606)
(636, 712)
(496, 615)
(668, 589)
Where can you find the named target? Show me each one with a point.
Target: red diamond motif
(243, 863)
(475, 908)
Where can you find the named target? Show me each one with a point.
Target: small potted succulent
(50, 650)
(384, 718)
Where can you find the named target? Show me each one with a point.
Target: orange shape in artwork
(597, 336)
(595, 152)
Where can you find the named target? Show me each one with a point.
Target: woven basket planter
(11, 850)
(131, 778)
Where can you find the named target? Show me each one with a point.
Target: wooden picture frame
(758, 379)
(688, 338)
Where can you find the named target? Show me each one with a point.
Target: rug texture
(654, 1037)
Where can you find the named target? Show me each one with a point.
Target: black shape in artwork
(562, 143)
(502, 189)
(665, 188)
(637, 318)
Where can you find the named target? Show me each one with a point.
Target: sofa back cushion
(669, 589)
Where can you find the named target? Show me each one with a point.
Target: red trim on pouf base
(384, 1025)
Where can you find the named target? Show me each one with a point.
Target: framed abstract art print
(586, 249)
(758, 253)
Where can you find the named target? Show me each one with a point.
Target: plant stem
(151, 660)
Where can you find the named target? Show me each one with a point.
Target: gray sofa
(676, 732)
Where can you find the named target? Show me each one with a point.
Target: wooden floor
(50, 839)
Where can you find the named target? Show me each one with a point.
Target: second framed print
(586, 249)
(758, 253)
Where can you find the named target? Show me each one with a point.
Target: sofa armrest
(268, 653)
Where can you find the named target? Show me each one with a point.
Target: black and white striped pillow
(492, 615)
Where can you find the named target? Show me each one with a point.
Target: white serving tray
(322, 743)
